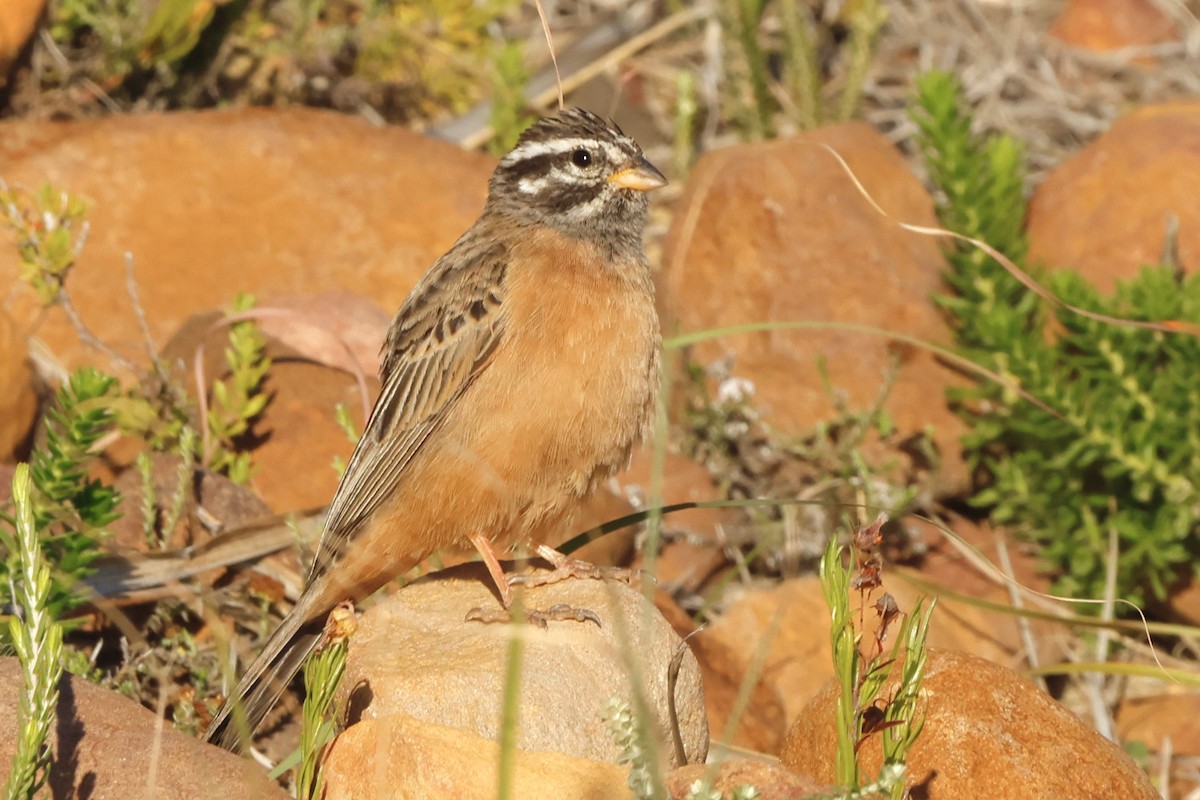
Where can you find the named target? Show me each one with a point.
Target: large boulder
(1105, 211)
(107, 746)
(988, 733)
(777, 232)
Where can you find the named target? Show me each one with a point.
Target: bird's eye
(581, 158)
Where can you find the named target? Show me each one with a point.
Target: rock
(776, 232)
(1182, 603)
(338, 329)
(988, 733)
(1105, 210)
(400, 758)
(952, 567)
(691, 551)
(1103, 25)
(1151, 719)
(790, 620)
(214, 202)
(414, 654)
(772, 781)
(18, 398)
(762, 724)
(301, 436)
(295, 440)
(223, 500)
(109, 746)
(18, 21)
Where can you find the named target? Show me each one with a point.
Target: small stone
(1105, 25)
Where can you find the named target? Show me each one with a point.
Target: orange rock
(791, 622)
(295, 440)
(213, 202)
(1102, 25)
(762, 724)
(1104, 211)
(294, 462)
(988, 733)
(18, 399)
(1151, 719)
(691, 551)
(338, 329)
(971, 629)
(776, 232)
(18, 20)
(788, 625)
(400, 758)
(107, 745)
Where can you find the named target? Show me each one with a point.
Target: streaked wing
(441, 339)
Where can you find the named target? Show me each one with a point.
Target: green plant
(50, 228)
(982, 183)
(831, 467)
(436, 51)
(37, 638)
(861, 675)
(510, 116)
(70, 509)
(1115, 443)
(238, 400)
(400, 59)
(769, 75)
(322, 673)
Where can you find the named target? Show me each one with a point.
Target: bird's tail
(243, 711)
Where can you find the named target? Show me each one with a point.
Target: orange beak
(640, 176)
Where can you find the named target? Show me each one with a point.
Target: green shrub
(239, 400)
(70, 509)
(37, 639)
(1117, 446)
(772, 73)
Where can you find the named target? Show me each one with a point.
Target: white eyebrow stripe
(530, 150)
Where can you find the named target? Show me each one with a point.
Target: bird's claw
(560, 612)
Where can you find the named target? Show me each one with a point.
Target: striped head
(578, 174)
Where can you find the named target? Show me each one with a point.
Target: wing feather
(440, 341)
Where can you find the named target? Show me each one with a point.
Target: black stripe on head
(564, 198)
(540, 182)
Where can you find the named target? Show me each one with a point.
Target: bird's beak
(640, 176)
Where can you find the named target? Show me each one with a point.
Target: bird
(520, 373)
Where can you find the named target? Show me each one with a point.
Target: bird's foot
(566, 568)
(540, 617)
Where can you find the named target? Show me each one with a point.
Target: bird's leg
(504, 584)
(566, 567)
(494, 569)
